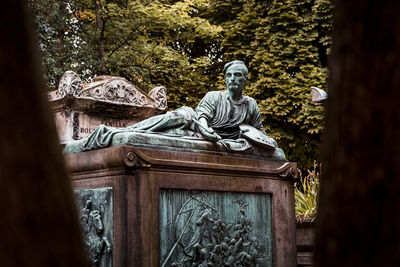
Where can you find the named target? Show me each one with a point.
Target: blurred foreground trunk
(39, 223)
(359, 211)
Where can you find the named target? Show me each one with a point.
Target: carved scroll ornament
(131, 159)
(70, 84)
(288, 171)
(119, 90)
(159, 94)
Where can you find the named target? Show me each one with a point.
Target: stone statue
(228, 118)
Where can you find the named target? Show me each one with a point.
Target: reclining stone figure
(228, 118)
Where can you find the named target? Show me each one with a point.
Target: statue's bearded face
(235, 79)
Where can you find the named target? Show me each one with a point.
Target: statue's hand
(209, 134)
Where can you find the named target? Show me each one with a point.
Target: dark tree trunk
(62, 10)
(100, 23)
(60, 55)
(359, 211)
(39, 223)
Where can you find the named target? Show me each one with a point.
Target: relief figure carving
(96, 218)
(93, 228)
(206, 238)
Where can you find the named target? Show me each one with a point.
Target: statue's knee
(184, 115)
(279, 154)
(175, 119)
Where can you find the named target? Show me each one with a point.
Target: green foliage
(148, 42)
(306, 195)
(285, 43)
(54, 32)
(183, 45)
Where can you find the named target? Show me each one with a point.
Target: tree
(358, 220)
(40, 225)
(51, 19)
(148, 42)
(285, 44)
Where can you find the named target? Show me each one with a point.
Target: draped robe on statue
(224, 116)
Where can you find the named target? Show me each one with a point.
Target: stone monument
(190, 187)
(113, 101)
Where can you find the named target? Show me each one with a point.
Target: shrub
(306, 195)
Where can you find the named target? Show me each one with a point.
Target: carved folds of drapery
(110, 89)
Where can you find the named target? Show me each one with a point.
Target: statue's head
(235, 75)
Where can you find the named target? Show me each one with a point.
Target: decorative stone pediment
(110, 89)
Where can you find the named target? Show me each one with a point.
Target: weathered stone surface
(113, 101)
(143, 178)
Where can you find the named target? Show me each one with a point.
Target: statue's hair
(238, 63)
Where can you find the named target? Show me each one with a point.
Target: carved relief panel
(215, 228)
(96, 217)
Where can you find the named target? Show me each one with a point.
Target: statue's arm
(255, 119)
(205, 112)
(207, 132)
(207, 106)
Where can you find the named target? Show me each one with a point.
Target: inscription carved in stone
(96, 216)
(215, 229)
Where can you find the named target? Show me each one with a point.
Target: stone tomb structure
(202, 187)
(113, 101)
(160, 206)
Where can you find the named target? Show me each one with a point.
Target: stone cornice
(139, 157)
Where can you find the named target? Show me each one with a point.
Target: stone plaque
(210, 228)
(96, 216)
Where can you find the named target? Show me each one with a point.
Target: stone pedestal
(161, 207)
